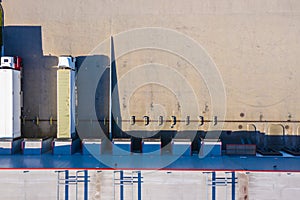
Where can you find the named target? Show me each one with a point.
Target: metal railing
(72, 180)
(124, 180)
(228, 180)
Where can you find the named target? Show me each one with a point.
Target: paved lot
(156, 185)
(254, 44)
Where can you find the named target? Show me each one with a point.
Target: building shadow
(38, 79)
(115, 101)
(93, 96)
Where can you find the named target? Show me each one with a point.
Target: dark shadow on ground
(39, 79)
(93, 96)
(116, 110)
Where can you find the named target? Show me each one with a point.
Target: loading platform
(91, 146)
(232, 151)
(36, 146)
(65, 146)
(10, 146)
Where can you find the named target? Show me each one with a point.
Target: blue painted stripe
(121, 185)
(86, 185)
(139, 185)
(66, 185)
(213, 189)
(233, 185)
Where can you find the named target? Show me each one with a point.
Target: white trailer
(10, 103)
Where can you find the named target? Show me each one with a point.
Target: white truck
(10, 97)
(67, 62)
(11, 62)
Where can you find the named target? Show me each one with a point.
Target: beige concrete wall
(254, 44)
